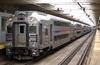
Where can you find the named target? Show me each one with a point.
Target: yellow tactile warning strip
(95, 58)
(2, 45)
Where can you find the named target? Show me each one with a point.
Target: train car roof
(40, 15)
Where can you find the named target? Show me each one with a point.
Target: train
(34, 32)
(4, 18)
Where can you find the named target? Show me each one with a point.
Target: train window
(46, 31)
(78, 32)
(67, 24)
(61, 23)
(32, 29)
(21, 18)
(21, 29)
(59, 37)
(56, 23)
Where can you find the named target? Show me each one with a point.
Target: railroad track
(77, 57)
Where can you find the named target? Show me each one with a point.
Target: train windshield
(32, 29)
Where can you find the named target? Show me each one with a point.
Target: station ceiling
(90, 8)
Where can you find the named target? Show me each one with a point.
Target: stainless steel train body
(35, 32)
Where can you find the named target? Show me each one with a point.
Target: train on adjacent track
(4, 18)
(34, 32)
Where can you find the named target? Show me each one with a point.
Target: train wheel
(36, 52)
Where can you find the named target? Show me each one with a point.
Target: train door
(45, 34)
(51, 35)
(20, 34)
(40, 32)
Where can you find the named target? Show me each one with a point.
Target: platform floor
(95, 56)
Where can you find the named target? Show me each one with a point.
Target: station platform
(95, 56)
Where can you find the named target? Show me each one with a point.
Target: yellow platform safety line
(2, 45)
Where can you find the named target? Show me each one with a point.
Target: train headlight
(8, 51)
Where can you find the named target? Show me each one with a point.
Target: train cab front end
(24, 41)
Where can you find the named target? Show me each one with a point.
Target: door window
(46, 31)
(21, 29)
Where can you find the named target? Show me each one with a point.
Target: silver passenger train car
(35, 32)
